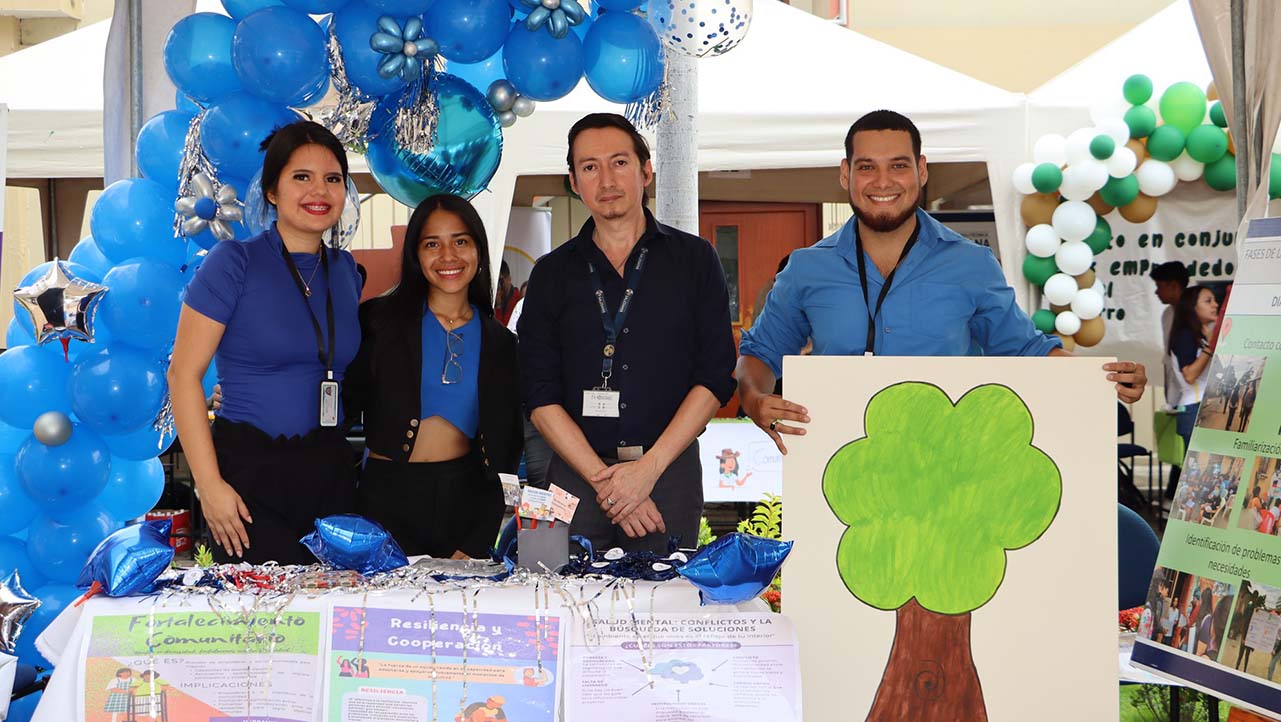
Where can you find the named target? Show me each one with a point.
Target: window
(727, 249)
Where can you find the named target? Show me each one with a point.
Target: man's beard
(884, 223)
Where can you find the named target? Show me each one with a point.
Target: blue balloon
(623, 57)
(129, 560)
(117, 389)
(468, 148)
(11, 437)
(144, 302)
(134, 217)
(53, 599)
(238, 9)
(16, 335)
(354, 25)
(480, 75)
(145, 443)
(59, 548)
(184, 104)
(16, 508)
(198, 56)
(279, 55)
(232, 131)
(64, 477)
(31, 383)
(416, 7)
(735, 568)
(35, 274)
(540, 66)
(24, 708)
(133, 488)
(88, 255)
(159, 146)
(468, 30)
(13, 556)
(317, 7)
(348, 541)
(620, 4)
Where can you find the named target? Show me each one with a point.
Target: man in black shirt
(626, 350)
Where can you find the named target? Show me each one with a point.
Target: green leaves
(766, 520)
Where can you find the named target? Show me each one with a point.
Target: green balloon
(1183, 106)
(1166, 143)
(1044, 320)
(1038, 270)
(1274, 177)
(1221, 175)
(1137, 89)
(1142, 121)
(1217, 116)
(1119, 192)
(1046, 178)
(1101, 239)
(1207, 143)
(1102, 147)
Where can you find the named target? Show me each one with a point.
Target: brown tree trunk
(930, 676)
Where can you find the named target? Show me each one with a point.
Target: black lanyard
(611, 324)
(323, 350)
(870, 347)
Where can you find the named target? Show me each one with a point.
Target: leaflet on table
(201, 667)
(670, 667)
(407, 665)
(1214, 607)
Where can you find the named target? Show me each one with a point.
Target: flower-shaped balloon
(61, 305)
(557, 15)
(205, 208)
(405, 48)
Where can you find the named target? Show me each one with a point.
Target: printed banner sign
(740, 462)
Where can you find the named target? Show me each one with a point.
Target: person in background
(508, 296)
(278, 311)
(1188, 347)
(1170, 278)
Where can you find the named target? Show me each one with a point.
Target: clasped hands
(622, 491)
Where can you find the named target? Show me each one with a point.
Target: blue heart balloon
(349, 541)
(129, 560)
(735, 567)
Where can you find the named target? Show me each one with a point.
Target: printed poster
(709, 667)
(408, 665)
(202, 667)
(740, 462)
(1215, 599)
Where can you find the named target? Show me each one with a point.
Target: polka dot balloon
(701, 27)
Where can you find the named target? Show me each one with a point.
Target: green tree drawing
(934, 496)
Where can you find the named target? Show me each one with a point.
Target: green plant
(1151, 703)
(705, 535)
(766, 520)
(203, 556)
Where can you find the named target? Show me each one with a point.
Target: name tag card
(601, 403)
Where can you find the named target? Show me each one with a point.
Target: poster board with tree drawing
(955, 528)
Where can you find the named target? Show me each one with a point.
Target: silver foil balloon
(206, 206)
(523, 107)
(700, 27)
(502, 95)
(61, 305)
(16, 606)
(405, 48)
(52, 428)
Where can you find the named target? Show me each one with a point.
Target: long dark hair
(1185, 315)
(284, 140)
(410, 293)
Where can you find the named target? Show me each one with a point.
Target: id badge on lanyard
(602, 401)
(324, 346)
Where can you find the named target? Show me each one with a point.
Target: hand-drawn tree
(934, 495)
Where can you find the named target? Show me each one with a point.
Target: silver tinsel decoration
(194, 162)
(164, 423)
(349, 118)
(416, 115)
(648, 111)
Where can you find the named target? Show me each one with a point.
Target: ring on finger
(773, 425)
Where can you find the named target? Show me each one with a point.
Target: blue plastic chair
(1136, 557)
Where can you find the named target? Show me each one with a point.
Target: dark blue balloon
(134, 217)
(159, 146)
(133, 488)
(540, 66)
(65, 477)
(279, 55)
(87, 254)
(317, 7)
(232, 131)
(623, 58)
(117, 389)
(354, 25)
(735, 568)
(238, 9)
(16, 508)
(129, 560)
(59, 549)
(31, 383)
(11, 437)
(143, 304)
(53, 599)
(145, 443)
(184, 104)
(479, 75)
(348, 541)
(198, 56)
(468, 30)
(468, 148)
(620, 4)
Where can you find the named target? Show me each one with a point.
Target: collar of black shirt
(583, 243)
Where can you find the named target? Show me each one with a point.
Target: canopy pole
(135, 80)
(676, 159)
(1240, 106)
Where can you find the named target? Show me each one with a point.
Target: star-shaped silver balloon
(16, 606)
(62, 305)
(205, 208)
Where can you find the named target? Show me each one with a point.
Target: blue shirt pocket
(943, 311)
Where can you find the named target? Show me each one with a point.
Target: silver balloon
(61, 305)
(701, 27)
(523, 107)
(507, 118)
(501, 95)
(204, 208)
(16, 606)
(52, 428)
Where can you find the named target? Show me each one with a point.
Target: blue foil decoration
(349, 541)
(129, 561)
(735, 567)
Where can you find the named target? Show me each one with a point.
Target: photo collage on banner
(1213, 614)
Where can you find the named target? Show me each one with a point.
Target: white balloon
(1050, 148)
(1156, 178)
(1074, 258)
(1116, 128)
(1022, 178)
(1076, 184)
(1099, 288)
(1121, 163)
(1094, 173)
(1087, 304)
(1187, 168)
(1111, 106)
(1060, 289)
(1042, 240)
(1067, 323)
(1077, 147)
(1074, 220)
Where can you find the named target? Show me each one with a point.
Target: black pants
(286, 484)
(678, 494)
(435, 508)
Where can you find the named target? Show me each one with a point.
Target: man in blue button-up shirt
(921, 288)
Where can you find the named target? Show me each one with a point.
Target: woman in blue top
(436, 378)
(279, 312)
(1191, 332)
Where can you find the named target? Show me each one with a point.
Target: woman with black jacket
(436, 378)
